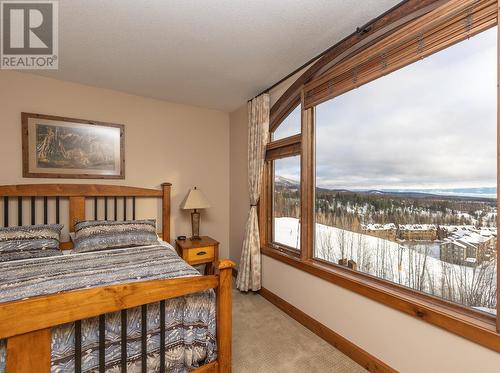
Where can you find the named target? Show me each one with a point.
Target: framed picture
(57, 147)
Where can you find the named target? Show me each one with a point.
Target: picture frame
(61, 147)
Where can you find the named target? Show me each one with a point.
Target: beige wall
(239, 199)
(403, 342)
(184, 145)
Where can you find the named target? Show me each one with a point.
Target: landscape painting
(66, 147)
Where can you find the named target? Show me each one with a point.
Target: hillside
(350, 209)
(404, 265)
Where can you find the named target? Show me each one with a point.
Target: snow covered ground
(417, 269)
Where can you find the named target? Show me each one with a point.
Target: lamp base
(195, 226)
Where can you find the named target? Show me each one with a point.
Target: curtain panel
(249, 272)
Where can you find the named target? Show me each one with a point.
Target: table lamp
(195, 200)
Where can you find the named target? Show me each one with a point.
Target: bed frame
(26, 324)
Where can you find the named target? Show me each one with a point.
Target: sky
(430, 125)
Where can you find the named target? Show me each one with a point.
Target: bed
(137, 309)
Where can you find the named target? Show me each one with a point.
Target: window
(406, 176)
(283, 163)
(286, 202)
(290, 125)
(396, 157)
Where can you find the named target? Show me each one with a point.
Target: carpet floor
(266, 340)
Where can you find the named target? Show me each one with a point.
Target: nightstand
(204, 251)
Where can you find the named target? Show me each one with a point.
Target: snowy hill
(283, 182)
(413, 267)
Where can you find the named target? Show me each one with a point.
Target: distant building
(467, 245)
(461, 244)
(418, 232)
(387, 231)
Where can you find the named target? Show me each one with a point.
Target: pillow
(32, 241)
(94, 235)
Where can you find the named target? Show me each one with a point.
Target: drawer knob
(201, 253)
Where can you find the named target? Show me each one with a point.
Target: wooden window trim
(283, 148)
(424, 36)
(471, 324)
(371, 32)
(285, 143)
(276, 118)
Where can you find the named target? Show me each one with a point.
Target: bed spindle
(123, 314)
(5, 211)
(78, 346)
(162, 336)
(102, 340)
(19, 211)
(58, 216)
(105, 208)
(115, 206)
(133, 208)
(33, 211)
(144, 346)
(45, 210)
(95, 208)
(124, 208)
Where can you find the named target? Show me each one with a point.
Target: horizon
(390, 136)
(477, 192)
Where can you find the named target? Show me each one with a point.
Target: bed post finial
(166, 211)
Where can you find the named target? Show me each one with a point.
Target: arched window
(388, 187)
(289, 126)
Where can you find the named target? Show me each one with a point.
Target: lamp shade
(195, 199)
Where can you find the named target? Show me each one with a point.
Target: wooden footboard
(26, 324)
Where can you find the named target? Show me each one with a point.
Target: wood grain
(282, 148)
(439, 29)
(356, 353)
(224, 315)
(166, 211)
(42, 312)
(307, 174)
(188, 250)
(376, 29)
(498, 159)
(30, 352)
(76, 211)
(199, 255)
(68, 190)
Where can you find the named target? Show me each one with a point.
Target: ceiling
(207, 53)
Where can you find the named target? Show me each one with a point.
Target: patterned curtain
(249, 274)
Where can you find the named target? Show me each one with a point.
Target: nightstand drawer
(199, 255)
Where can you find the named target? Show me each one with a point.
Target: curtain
(249, 272)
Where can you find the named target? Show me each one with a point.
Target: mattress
(189, 320)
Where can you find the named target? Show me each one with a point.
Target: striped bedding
(190, 320)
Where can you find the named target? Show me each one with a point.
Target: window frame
(471, 324)
(283, 148)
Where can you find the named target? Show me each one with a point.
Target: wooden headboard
(77, 195)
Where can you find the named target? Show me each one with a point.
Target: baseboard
(356, 353)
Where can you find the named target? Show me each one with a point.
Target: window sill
(474, 326)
